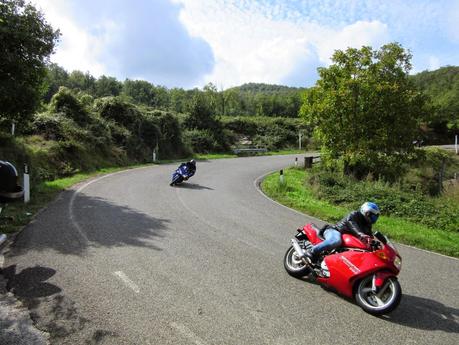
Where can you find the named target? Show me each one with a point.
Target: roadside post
(2, 236)
(26, 184)
(281, 177)
(308, 162)
(455, 145)
(296, 162)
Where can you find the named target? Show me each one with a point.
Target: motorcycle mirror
(380, 237)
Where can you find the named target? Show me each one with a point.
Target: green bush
(393, 199)
(117, 110)
(199, 140)
(64, 101)
(270, 132)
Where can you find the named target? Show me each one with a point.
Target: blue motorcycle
(181, 174)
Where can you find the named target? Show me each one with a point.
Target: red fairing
(311, 233)
(350, 241)
(347, 267)
(356, 269)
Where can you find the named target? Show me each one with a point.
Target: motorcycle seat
(319, 231)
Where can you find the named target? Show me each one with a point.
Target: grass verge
(295, 194)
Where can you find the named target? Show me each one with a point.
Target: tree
(140, 91)
(80, 81)
(107, 86)
(366, 111)
(201, 112)
(27, 40)
(55, 77)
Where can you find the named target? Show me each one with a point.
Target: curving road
(126, 259)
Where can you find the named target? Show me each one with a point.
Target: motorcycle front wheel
(381, 302)
(294, 265)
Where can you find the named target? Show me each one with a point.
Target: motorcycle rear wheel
(378, 303)
(294, 265)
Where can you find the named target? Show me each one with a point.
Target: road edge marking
(128, 282)
(184, 330)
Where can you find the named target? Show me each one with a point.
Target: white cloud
(77, 48)
(434, 63)
(251, 44)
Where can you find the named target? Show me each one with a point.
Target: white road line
(125, 279)
(188, 333)
(257, 183)
(2, 261)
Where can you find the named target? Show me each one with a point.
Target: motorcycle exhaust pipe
(298, 249)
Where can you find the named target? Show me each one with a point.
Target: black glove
(365, 238)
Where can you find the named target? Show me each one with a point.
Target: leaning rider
(357, 223)
(190, 167)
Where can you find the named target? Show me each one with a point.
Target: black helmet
(193, 162)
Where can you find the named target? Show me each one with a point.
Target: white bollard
(296, 162)
(455, 145)
(26, 184)
(281, 177)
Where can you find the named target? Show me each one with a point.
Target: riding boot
(312, 257)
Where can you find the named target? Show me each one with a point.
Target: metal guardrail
(250, 150)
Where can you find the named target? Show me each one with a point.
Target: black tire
(377, 303)
(295, 266)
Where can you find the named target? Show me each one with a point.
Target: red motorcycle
(366, 272)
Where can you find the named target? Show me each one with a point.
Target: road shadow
(30, 282)
(426, 314)
(91, 222)
(192, 186)
(50, 309)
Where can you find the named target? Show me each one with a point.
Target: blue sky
(188, 43)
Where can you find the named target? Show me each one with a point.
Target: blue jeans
(332, 241)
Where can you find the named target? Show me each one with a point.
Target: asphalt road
(126, 259)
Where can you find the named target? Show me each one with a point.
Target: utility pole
(299, 139)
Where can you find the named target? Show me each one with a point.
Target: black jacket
(354, 223)
(190, 167)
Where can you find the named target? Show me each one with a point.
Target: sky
(189, 43)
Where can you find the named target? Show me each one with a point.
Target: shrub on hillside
(65, 102)
(118, 110)
(269, 132)
(393, 199)
(170, 134)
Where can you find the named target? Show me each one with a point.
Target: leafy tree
(27, 40)
(177, 100)
(107, 86)
(140, 91)
(82, 82)
(366, 111)
(56, 77)
(201, 112)
(65, 102)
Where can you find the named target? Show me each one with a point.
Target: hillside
(442, 87)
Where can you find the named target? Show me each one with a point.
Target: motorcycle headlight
(398, 262)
